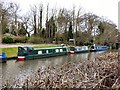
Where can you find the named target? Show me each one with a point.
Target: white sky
(106, 8)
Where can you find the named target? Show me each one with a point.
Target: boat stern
(72, 52)
(20, 58)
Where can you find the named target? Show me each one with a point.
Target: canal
(13, 70)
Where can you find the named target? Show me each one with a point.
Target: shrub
(35, 40)
(7, 40)
(21, 40)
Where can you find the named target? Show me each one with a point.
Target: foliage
(22, 31)
(21, 39)
(51, 29)
(70, 34)
(35, 40)
(101, 27)
(7, 40)
(63, 23)
(6, 30)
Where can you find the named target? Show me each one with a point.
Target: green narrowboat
(27, 53)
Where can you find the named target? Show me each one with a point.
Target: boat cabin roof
(79, 46)
(41, 48)
(102, 46)
(25, 46)
(49, 48)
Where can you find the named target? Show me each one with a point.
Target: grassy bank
(12, 51)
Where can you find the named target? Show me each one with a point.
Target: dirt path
(26, 44)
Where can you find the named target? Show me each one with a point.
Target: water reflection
(12, 70)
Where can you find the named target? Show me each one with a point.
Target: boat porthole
(61, 50)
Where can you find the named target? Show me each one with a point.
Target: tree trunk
(35, 26)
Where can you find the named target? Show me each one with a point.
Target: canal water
(21, 69)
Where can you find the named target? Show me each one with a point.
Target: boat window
(25, 48)
(21, 49)
(61, 50)
(46, 51)
(72, 48)
(30, 48)
(64, 49)
(43, 51)
(39, 52)
(57, 50)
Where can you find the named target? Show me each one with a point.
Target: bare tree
(63, 19)
(5, 15)
(47, 27)
(34, 19)
(73, 21)
(15, 10)
(89, 24)
(26, 20)
(40, 19)
(78, 21)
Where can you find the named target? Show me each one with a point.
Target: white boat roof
(49, 48)
(43, 48)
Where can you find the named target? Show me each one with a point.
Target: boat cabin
(99, 48)
(77, 49)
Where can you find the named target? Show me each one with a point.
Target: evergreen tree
(22, 31)
(70, 34)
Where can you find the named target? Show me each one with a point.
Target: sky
(106, 8)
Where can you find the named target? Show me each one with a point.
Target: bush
(21, 40)
(36, 40)
(7, 40)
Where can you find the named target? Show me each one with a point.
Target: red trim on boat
(21, 58)
(72, 52)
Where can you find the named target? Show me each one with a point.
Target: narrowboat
(99, 48)
(3, 57)
(27, 53)
(77, 49)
